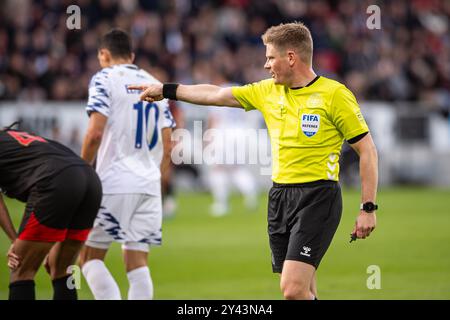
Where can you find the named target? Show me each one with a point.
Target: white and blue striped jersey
(130, 154)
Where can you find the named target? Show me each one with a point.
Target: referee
(308, 118)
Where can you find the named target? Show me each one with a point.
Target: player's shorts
(131, 219)
(63, 206)
(302, 220)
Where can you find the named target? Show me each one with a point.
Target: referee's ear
(292, 57)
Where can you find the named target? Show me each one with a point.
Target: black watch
(369, 207)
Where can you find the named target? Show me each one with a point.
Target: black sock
(61, 290)
(22, 290)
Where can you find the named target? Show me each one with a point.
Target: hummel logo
(306, 251)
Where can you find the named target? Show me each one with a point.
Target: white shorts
(131, 219)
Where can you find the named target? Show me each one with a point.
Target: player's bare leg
(89, 253)
(31, 255)
(134, 259)
(138, 273)
(61, 256)
(98, 277)
(296, 280)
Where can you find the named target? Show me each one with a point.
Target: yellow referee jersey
(307, 126)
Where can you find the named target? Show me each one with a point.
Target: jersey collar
(309, 84)
(131, 66)
(127, 65)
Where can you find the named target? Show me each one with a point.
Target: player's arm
(201, 94)
(5, 221)
(8, 227)
(93, 137)
(165, 162)
(368, 170)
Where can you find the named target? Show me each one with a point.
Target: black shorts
(63, 206)
(302, 221)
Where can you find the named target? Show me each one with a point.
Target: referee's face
(277, 64)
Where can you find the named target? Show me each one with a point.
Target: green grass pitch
(203, 257)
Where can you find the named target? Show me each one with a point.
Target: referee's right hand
(151, 92)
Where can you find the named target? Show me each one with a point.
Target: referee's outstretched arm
(200, 94)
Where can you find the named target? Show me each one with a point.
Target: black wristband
(170, 90)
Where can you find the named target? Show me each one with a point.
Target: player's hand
(365, 224)
(152, 92)
(13, 259)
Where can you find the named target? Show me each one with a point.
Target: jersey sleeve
(99, 94)
(251, 96)
(346, 114)
(167, 119)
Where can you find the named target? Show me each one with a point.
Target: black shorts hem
(276, 269)
(304, 260)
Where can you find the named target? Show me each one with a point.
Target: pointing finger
(137, 87)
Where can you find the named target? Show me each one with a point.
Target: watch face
(369, 206)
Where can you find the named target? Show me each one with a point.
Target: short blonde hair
(293, 35)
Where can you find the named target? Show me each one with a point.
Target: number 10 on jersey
(143, 109)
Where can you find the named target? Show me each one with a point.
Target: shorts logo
(310, 124)
(306, 251)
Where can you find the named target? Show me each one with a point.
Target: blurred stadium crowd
(195, 41)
